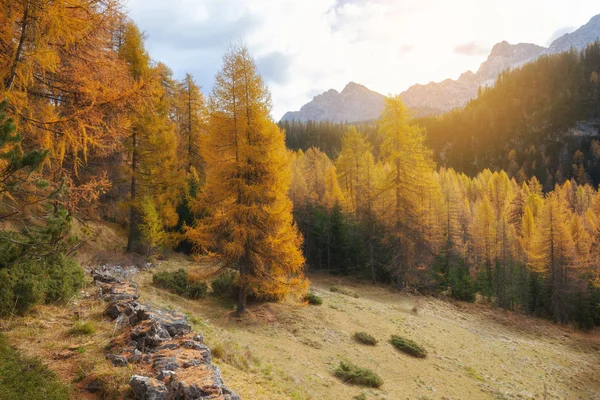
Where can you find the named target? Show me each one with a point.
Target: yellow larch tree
(248, 176)
(553, 253)
(68, 89)
(410, 167)
(155, 182)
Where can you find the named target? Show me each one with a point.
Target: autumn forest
(93, 128)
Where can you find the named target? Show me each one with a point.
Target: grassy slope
(290, 351)
(27, 378)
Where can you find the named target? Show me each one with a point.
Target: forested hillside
(396, 218)
(540, 120)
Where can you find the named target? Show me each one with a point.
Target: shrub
(83, 328)
(365, 338)
(180, 283)
(66, 278)
(313, 299)
(408, 346)
(196, 290)
(224, 285)
(29, 282)
(350, 373)
(151, 228)
(341, 290)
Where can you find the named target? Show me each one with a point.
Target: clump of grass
(83, 328)
(355, 375)
(408, 346)
(473, 373)
(180, 282)
(341, 290)
(27, 378)
(233, 354)
(365, 338)
(361, 396)
(313, 299)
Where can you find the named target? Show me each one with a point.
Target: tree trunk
(134, 231)
(242, 296)
(13, 68)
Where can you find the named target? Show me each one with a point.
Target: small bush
(408, 346)
(313, 299)
(365, 338)
(341, 290)
(350, 373)
(179, 282)
(29, 282)
(224, 285)
(196, 290)
(83, 328)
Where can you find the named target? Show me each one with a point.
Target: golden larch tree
(409, 173)
(248, 176)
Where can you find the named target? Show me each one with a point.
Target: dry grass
(290, 351)
(474, 352)
(68, 347)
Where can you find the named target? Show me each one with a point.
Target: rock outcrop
(170, 361)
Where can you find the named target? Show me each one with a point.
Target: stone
(136, 357)
(149, 334)
(165, 363)
(200, 347)
(145, 388)
(95, 386)
(165, 374)
(117, 361)
(203, 382)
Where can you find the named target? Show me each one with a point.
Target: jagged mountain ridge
(354, 103)
(358, 103)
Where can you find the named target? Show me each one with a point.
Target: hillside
(539, 120)
(284, 350)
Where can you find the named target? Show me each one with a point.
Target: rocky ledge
(170, 361)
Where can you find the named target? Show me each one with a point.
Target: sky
(305, 47)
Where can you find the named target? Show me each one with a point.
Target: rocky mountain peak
(354, 103)
(578, 39)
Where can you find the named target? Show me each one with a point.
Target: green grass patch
(365, 338)
(350, 373)
(180, 283)
(341, 290)
(83, 328)
(27, 378)
(313, 299)
(408, 346)
(473, 373)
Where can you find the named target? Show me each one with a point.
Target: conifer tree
(153, 167)
(553, 254)
(191, 119)
(248, 177)
(409, 166)
(67, 87)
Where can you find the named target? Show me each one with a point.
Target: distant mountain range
(357, 103)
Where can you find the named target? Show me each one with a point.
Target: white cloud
(308, 46)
